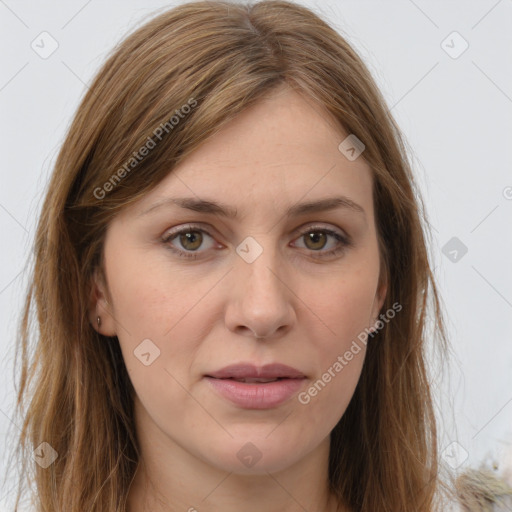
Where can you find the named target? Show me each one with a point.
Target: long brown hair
(74, 391)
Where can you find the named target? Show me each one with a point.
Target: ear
(382, 291)
(380, 297)
(100, 306)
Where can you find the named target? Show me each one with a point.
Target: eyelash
(344, 241)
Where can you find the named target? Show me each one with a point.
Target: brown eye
(323, 242)
(315, 240)
(191, 240)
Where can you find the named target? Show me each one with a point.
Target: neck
(170, 479)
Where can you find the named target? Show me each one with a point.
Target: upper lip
(268, 371)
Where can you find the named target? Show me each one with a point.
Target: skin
(204, 314)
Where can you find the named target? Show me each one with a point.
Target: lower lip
(258, 395)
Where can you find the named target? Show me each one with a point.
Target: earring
(98, 321)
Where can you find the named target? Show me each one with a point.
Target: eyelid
(169, 234)
(185, 227)
(305, 228)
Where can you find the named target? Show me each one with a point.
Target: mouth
(251, 387)
(249, 372)
(254, 380)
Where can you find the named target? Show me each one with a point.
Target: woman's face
(286, 274)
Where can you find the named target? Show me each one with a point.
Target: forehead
(282, 150)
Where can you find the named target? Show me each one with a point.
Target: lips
(251, 387)
(247, 372)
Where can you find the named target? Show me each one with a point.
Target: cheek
(152, 301)
(343, 308)
(149, 296)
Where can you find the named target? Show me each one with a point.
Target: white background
(456, 114)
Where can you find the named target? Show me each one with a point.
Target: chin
(256, 455)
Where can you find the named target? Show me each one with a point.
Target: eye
(190, 238)
(317, 238)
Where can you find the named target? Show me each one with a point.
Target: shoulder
(505, 506)
(482, 489)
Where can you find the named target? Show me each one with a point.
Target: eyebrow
(212, 207)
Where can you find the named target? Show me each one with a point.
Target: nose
(260, 301)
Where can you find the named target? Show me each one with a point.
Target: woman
(231, 281)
